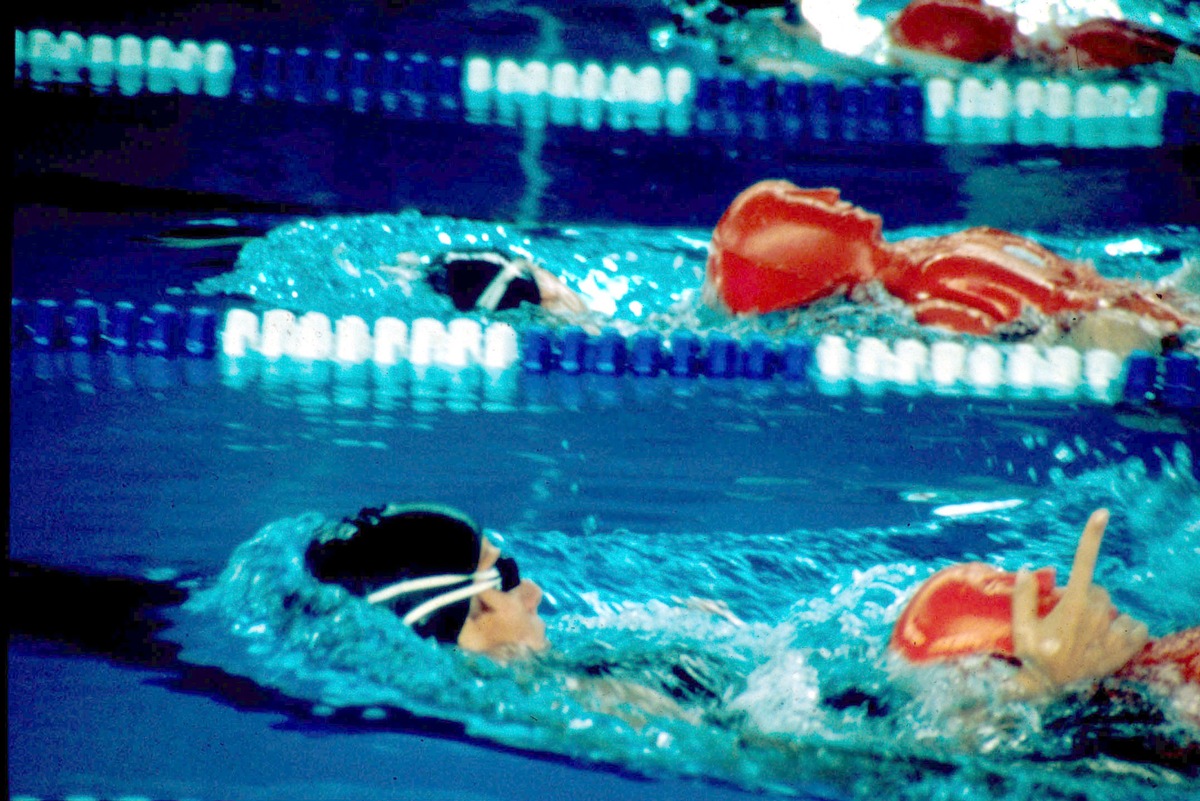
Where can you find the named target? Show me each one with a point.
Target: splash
(758, 660)
(631, 277)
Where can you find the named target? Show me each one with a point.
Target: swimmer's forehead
(489, 553)
(493, 257)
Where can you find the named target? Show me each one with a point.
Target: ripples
(674, 651)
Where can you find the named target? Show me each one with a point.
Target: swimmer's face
(503, 625)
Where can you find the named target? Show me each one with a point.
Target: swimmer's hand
(1083, 637)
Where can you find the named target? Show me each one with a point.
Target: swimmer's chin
(509, 653)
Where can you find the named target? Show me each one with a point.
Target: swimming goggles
(502, 576)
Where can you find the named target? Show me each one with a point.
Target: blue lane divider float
(654, 97)
(130, 65)
(126, 64)
(1172, 382)
(1181, 118)
(86, 326)
(459, 343)
(1112, 114)
(389, 81)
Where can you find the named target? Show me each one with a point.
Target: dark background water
(214, 154)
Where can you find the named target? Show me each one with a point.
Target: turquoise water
(807, 616)
(631, 276)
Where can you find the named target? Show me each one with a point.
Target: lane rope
(654, 97)
(832, 364)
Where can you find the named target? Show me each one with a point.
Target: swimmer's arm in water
(1083, 637)
(407, 271)
(631, 702)
(403, 274)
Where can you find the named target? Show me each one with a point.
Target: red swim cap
(965, 609)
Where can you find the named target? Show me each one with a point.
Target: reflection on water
(749, 658)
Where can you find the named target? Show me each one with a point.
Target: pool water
(810, 517)
(742, 546)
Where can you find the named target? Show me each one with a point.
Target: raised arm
(1083, 637)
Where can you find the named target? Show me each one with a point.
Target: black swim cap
(383, 546)
(465, 277)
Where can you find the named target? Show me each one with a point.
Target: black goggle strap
(503, 576)
(491, 296)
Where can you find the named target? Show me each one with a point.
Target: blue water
(811, 614)
(162, 503)
(810, 517)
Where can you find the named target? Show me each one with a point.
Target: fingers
(1024, 612)
(1098, 597)
(1126, 637)
(1086, 554)
(1134, 631)
(1094, 620)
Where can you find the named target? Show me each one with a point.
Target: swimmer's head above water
(441, 576)
(484, 280)
(966, 609)
(1057, 635)
(490, 281)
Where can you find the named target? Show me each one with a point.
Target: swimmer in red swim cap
(974, 31)
(1059, 635)
(779, 246)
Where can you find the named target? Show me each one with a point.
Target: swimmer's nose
(530, 595)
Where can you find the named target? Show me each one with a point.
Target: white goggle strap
(407, 586)
(448, 598)
(490, 298)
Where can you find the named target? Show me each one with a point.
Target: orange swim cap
(965, 609)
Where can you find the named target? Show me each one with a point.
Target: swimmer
(446, 581)
(780, 247)
(432, 567)
(438, 573)
(1057, 637)
(486, 280)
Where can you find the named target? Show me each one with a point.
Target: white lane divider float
(129, 62)
(461, 343)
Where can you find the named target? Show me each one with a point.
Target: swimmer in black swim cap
(438, 573)
(484, 280)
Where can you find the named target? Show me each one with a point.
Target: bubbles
(782, 696)
(602, 292)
